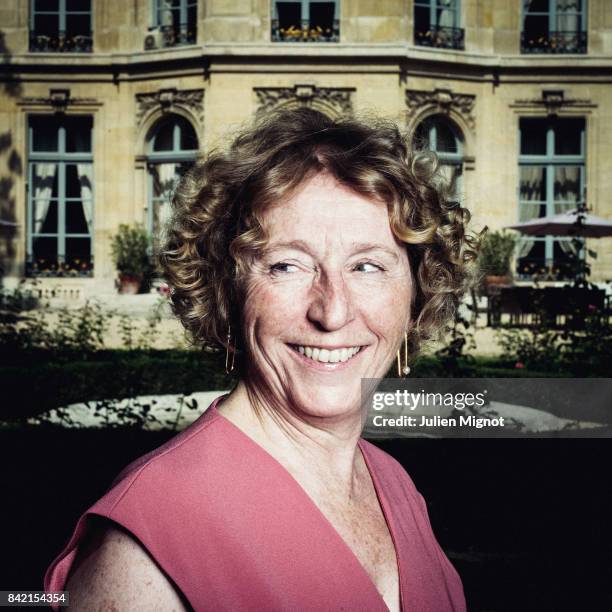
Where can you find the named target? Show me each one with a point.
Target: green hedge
(39, 381)
(44, 384)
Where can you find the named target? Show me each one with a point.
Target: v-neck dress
(233, 530)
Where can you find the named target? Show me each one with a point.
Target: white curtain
(44, 177)
(531, 187)
(530, 195)
(567, 188)
(568, 247)
(532, 178)
(568, 16)
(85, 172)
(164, 181)
(446, 18)
(524, 246)
(567, 197)
(568, 24)
(165, 13)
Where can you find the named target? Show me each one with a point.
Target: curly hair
(216, 228)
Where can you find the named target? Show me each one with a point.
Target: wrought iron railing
(51, 268)
(62, 42)
(551, 307)
(306, 31)
(441, 37)
(185, 34)
(537, 268)
(554, 42)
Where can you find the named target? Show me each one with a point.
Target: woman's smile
(327, 359)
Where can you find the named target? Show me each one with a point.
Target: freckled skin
(326, 292)
(113, 572)
(331, 291)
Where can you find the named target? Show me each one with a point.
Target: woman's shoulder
(169, 463)
(113, 569)
(155, 495)
(196, 435)
(195, 463)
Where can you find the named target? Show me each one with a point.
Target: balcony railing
(530, 268)
(441, 37)
(185, 34)
(62, 42)
(306, 32)
(66, 267)
(554, 42)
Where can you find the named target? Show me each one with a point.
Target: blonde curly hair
(216, 228)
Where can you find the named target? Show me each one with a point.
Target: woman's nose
(331, 304)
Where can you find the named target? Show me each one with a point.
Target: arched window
(172, 149)
(439, 135)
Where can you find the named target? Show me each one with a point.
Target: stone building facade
(104, 103)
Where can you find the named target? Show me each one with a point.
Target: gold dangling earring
(405, 369)
(229, 367)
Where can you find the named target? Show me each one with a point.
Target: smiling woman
(331, 280)
(309, 252)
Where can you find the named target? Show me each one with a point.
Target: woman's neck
(317, 456)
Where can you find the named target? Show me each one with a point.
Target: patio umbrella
(565, 224)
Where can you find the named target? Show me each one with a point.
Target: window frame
(552, 24)
(61, 158)
(176, 155)
(439, 36)
(433, 15)
(552, 15)
(446, 158)
(62, 14)
(305, 16)
(183, 10)
(550, 161)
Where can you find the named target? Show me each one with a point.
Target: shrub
(130, 251)
(496, 253)
(31, 389)
(76, 333)
(581, 351)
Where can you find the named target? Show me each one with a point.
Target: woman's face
(328, 300)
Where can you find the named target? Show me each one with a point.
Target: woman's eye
(283, 268)
(366, 266)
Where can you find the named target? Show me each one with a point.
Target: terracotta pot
(129, 284)
(496, 280)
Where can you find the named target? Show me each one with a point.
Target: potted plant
(130, 251)
(495, 258)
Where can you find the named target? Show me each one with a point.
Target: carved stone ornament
(553, 101)
(167, 99)
(443, 101)
(59, 100)
(333, 101)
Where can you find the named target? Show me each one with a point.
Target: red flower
(592, 308)
(519, 365)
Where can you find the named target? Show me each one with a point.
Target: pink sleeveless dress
(235, 531)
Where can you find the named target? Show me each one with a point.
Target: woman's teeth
(326, 355)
